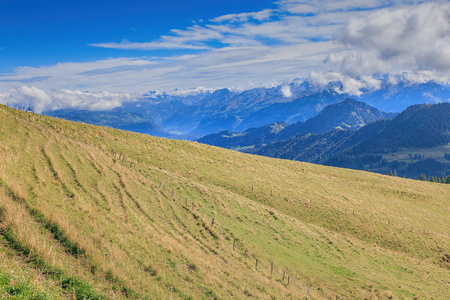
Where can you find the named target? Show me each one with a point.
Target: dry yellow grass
(103, 213)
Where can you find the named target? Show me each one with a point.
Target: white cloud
(190, 38)
(126, 45)
(411, 38)
(349, 85)
(286, 90)
(244, 17)
(39, 100)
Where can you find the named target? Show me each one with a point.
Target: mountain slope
(307, 147)
(419, 126)
(100, 213)
(402, 144)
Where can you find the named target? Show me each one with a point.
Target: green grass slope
(89, 212)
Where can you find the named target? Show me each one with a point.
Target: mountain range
(193, 115)
(348, 115)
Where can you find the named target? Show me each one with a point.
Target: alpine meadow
(90, 212)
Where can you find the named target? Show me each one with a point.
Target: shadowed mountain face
(400, 144)
(348, 115)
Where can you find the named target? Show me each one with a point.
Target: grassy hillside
(92, 212)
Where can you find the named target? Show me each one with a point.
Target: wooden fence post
(234, 244)
(256, 264)
(307, 294)
(271, 269)
(212, 222)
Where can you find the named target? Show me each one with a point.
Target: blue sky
(67, 53)
(46, 32)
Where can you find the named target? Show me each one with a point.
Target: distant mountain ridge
(348, 115)
(193, 115)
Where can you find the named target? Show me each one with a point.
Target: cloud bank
(413, 37)
(39, 101)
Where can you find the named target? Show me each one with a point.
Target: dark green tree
(423, 177)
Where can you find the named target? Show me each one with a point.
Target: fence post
(234, 244)
(307, 294)
(289, 279)
(284, 273)
(271, 269)
(212, 222)
(256, 264)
